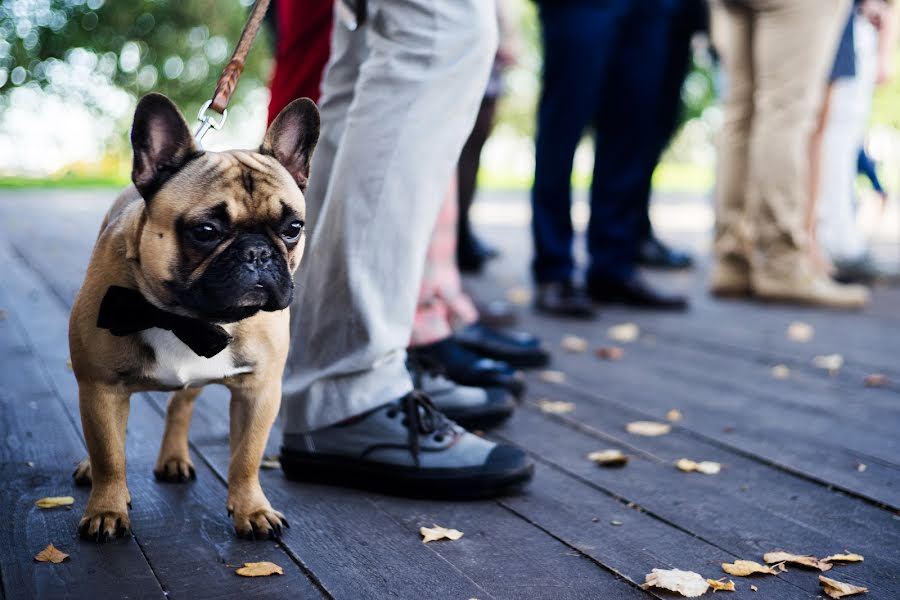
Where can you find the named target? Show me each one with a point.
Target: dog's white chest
(177, 366)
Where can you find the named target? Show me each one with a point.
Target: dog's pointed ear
(292, 137)
(161, 142)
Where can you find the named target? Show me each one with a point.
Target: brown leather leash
(231, 73)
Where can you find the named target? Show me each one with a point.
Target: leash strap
(231, 73)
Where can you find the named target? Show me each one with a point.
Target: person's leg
(793, 43)
(374, 196)
(578, 43)
(732, 30)
(626, 124)
(838, 231)
(471, 253)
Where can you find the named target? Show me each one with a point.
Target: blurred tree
(170, 46)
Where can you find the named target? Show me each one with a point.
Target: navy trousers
(604, 66)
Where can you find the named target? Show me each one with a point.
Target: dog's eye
(206, 232)
(292, 231)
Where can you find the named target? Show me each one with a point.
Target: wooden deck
(811, 463)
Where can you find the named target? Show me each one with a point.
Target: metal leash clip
(207, 122)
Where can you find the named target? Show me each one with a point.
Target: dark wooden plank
(182, 529)
(39, 445)
(729, 510)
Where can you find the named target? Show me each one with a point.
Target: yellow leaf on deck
(798, 331)
(686, 583)
(609, 353)
(742, 568)
(625, 333)
(707, 467)
(837, 589)
(551, 376)
(844, 558)
(781, 372)
(573, 343)
(608, 458)
(436, 532)
(753, 588)
(54, 501)
(51, 554)
(518, 295)
(648, 428)
(556, 407)
(720, 585)
(270, 462)
(259, 569)
(674, 415)
(830, 362)
(796, 559)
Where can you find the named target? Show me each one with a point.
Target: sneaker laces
(422, 418)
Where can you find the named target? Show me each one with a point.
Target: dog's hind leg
(174, 462)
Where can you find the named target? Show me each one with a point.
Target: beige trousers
(776, 55)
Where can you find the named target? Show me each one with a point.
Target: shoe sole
(397, 480)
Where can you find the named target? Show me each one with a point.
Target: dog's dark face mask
(223, 231)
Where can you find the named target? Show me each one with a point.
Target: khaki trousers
(776, 55)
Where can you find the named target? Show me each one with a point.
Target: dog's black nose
(257, 251)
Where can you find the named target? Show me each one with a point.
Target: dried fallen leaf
(686, 583)
(742, 568)
(270, 462)
(707, 467)
(54, 501)
(798, 331)
(518, 295)
(753, 588)
(69, 364)
(573, 343)
(674, 415)
(51, 554)
(830, 362)
(846, 557)
(436, 532)
(876, 380)
(556, 407)
(609, 353)
(781, 372)
(861, 467)
(259, 569)
(720, 585)
(551, 376)
(648, 428)
(837, 589)
(609, 458)
(796, 559)
(626, 332)
(615, 523)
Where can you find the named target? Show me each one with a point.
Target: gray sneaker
(408, 448)
(472, 407)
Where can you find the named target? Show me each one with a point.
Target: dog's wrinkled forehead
(250, 186)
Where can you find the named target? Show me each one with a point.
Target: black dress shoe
(633, 291)
(472, 254)
(516, 348)
(467, 368)
(563, 299)
(653, 253)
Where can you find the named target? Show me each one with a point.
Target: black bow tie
(125, 311)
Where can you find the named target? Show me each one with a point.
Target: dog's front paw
(106, 516)
(174, 470)
(261, 522)
(82, 473)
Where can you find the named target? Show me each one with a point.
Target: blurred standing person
(604, 65)
(776, 55)
(857, 67)
(471, 251)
